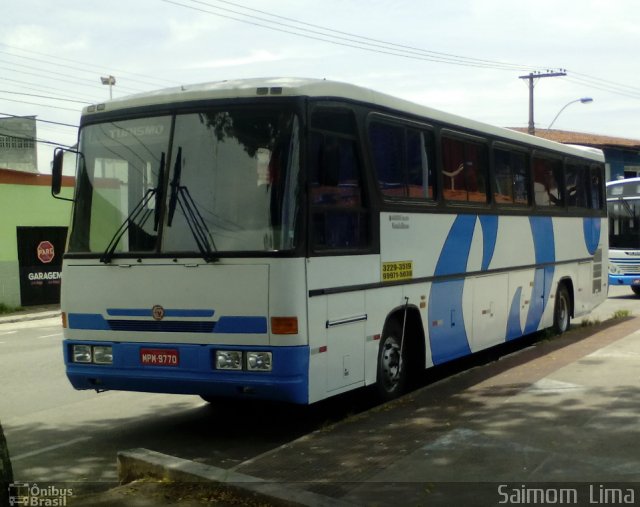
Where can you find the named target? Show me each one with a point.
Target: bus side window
(419, 159)
(595, 187)
(547, 174)
(403, 160)
(338, 218)
(511, 177)
(464, 170)
(577, 185)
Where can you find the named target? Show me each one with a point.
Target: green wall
(24, 206)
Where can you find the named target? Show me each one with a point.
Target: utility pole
(531, 77)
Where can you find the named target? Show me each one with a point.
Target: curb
(141, 463)
(12, 319)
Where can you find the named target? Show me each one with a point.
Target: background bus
(294, 239)
(623, 203)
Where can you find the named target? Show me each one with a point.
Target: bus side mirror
(56, 172)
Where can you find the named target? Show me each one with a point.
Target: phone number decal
(394, 271)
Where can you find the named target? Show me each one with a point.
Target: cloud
(33, 37)
(255, 57)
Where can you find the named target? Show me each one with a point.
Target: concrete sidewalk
(31, 313)
(566, 410)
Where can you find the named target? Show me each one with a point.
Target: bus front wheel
(636, 290)
(562, 310)
(392, 364)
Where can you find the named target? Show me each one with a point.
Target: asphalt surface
(559, 417)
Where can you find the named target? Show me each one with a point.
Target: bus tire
(392, 368)
(562, 310)
(636, 290)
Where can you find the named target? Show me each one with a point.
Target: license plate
(159, 357)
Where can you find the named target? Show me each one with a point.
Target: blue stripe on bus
(545, 251)
(514, 329)
(250, 325)
(148, 312)
(489, 225)
(225, 324)
(591, 227)
(448, 336)
(447, 332)
(88, 321)
(194, 374)
(455, 252)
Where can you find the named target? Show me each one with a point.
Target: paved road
(58, 434)
(620, 298)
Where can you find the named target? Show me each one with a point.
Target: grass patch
(621, 314)
(4, 309)
(588, 322)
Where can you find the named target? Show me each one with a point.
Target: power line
(51, 97)
(384, 43)
(321, 33)
(601, 84)
(40, 105)
(90, 68)
(46, 74)
(42, 121)
(26, 85)
(353, 40)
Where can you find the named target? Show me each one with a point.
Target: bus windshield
(624, 223)
(207, 182)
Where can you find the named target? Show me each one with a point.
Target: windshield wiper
(138, 216)
(197, 225)
(159, 195)
(627, 207)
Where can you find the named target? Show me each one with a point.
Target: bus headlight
(259, 361)
(82, 353)
(228, 360)
(102, 355)
(614, 270)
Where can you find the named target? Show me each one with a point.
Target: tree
(6, 473)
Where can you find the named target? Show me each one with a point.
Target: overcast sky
(460, 56)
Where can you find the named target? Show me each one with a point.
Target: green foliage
(8, 309)
(621, 314)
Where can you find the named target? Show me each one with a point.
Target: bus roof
(293, 87)
(623, 181)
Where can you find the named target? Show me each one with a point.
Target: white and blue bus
(292, 239)
(623, 203)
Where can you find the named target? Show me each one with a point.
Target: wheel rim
(390, 363)
(563, 313)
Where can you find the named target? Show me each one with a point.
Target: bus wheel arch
(399, 361)
(563, 306)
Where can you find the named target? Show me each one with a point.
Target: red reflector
(159, 357)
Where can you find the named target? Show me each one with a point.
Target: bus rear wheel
(562, 310)
(392, 364)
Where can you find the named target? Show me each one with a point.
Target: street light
(583, 100)
(109, 80)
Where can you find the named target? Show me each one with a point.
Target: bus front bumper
(194, 372)
(633, 280)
